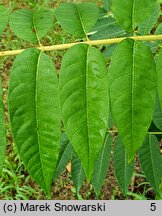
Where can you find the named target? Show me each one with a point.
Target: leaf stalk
(89, 42)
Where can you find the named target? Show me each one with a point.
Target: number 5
(153, 207)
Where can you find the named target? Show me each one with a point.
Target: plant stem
(94, 42)
(150, 132)
(156, 133)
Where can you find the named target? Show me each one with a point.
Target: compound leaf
(102, 164)
(2, 131)
(65, 155)
(130, 13)
(34, 114)
(77, 19)
(31, 25)
(150, 160)
(77, 172)
(132, 92)
(84, 102)
(4, 15)
(123, 169)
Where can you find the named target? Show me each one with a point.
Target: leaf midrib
(133, 14)
(132, 93)
(36, 117)
(86, 107)
(36, 34)
(81, 20)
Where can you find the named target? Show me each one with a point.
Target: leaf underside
(4, 15)
(65, 155)
(31, 26)
(107, 27)
(107, 4)
(83, 83)
(150, 160)
(77, 172)
(158, 30)
(130, 13)
(123, 169)
(34, 114)
(132, 92)
(146, 27)
(77, 19)
(102, 164)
